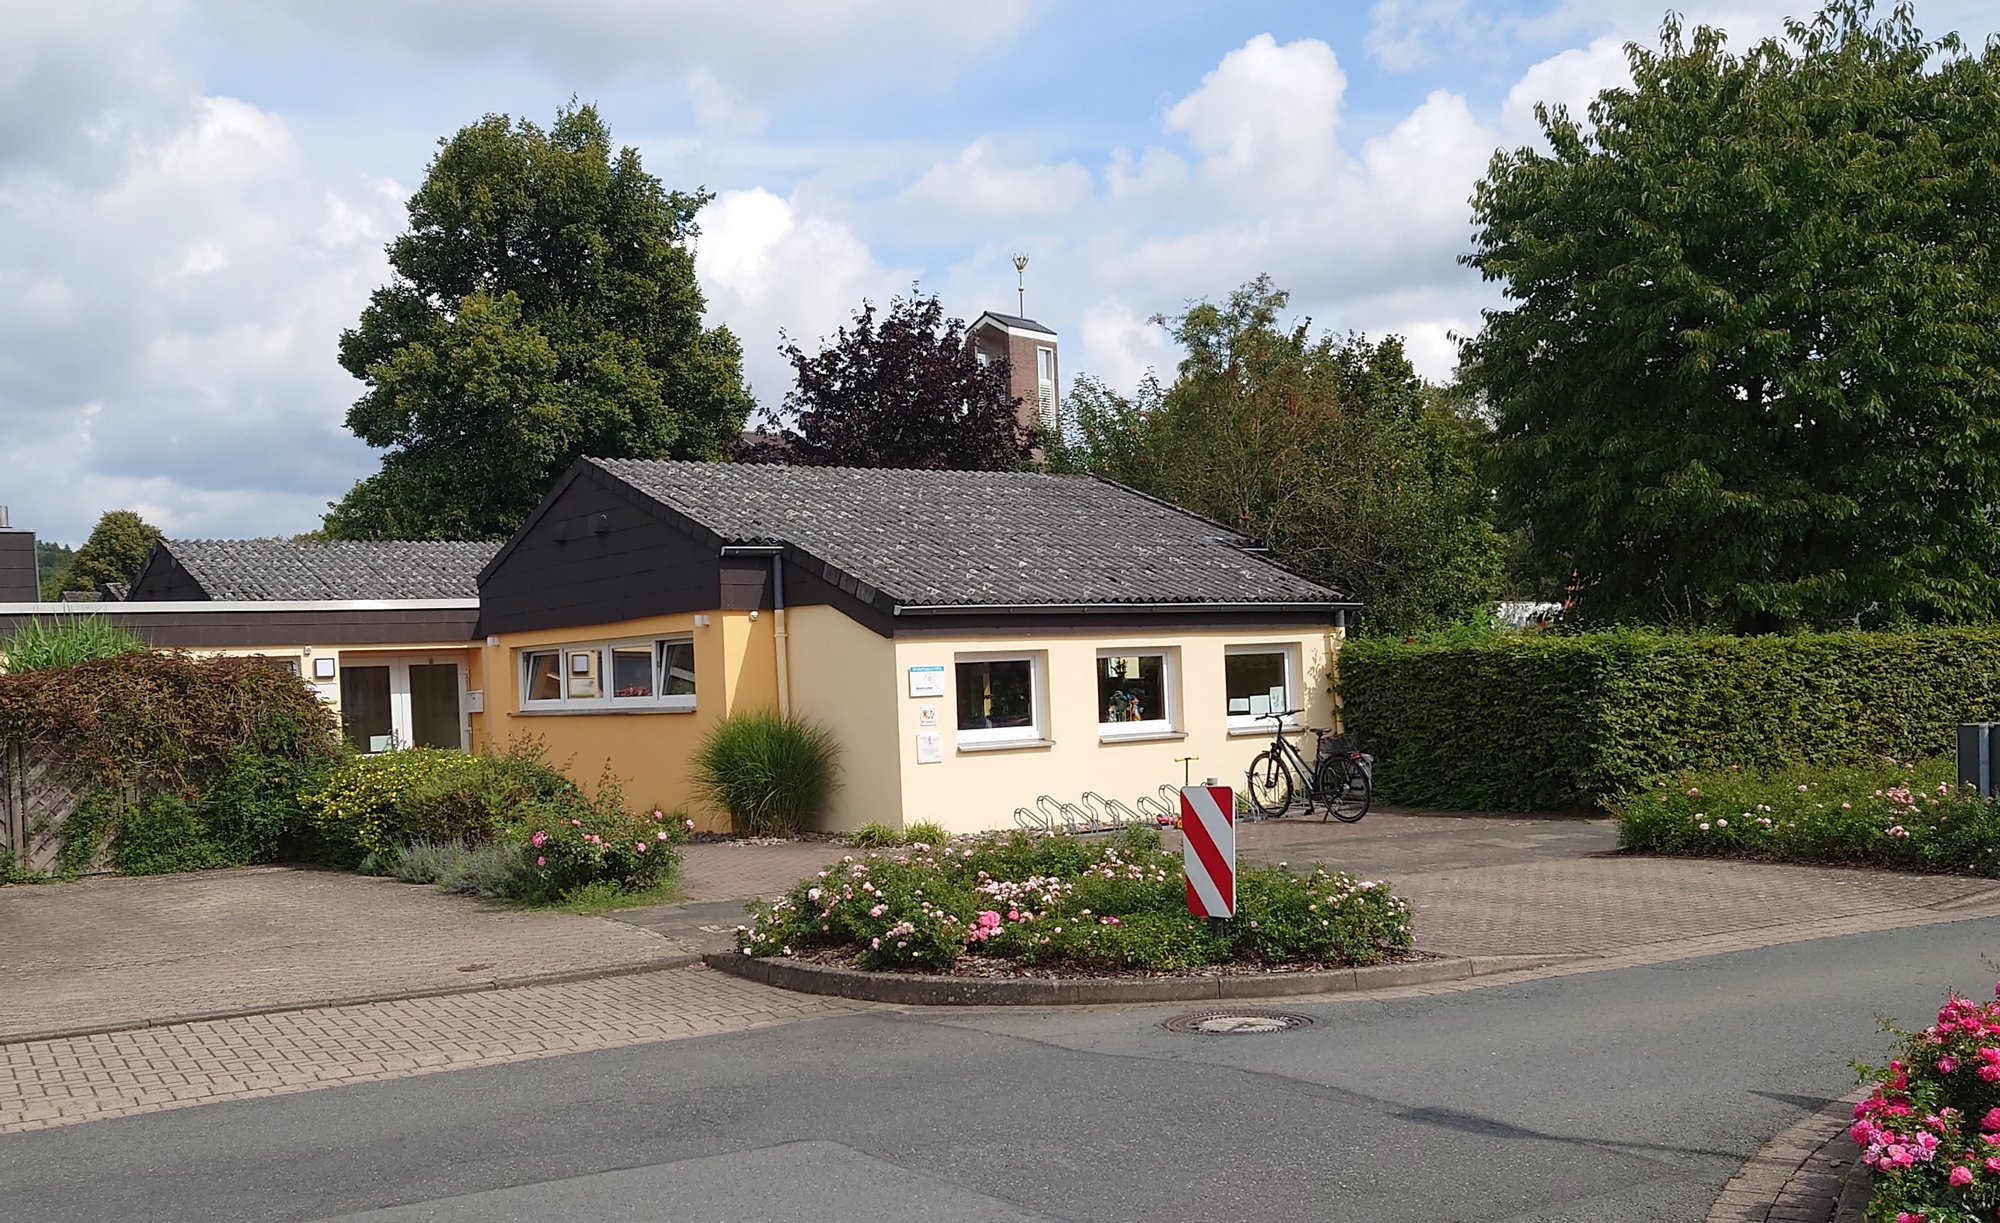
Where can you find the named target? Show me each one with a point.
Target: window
(651, 675)
(1045, 383)
(1260, 679)
(999, 699)
(1134, 693)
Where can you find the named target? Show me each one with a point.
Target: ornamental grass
(1114, 905)
(1899, 815)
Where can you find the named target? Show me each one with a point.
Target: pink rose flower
(541, 861)
(1961, 1176)
(539, 839)
(638, 847)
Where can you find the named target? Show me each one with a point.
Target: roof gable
(973, 539)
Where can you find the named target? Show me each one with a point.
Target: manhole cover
(1237, 1021)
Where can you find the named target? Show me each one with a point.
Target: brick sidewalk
(112, 950)
(91, 1078)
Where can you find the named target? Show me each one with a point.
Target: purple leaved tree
(907, 390)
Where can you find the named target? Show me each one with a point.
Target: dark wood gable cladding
(599, 552)
(162, 579)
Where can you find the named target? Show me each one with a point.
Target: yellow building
(974, 640)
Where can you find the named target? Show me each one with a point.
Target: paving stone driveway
(112, 950)
(117, 949)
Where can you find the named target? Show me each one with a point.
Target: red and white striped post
(1208, 848)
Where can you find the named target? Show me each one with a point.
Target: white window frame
(659, 702)
(1007, 736)
(1250, 722)
(1045, 382)
(1170, 682)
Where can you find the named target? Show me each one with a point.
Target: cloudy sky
(194, 196)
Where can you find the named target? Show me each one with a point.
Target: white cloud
(733, 58)
(1264, 118)
(769, 264)
(168, 312)
(1407, 34)
(1120, 346)
(980, 185)
(1572, 79)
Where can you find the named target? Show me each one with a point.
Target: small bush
(774, 774)
(874, 835)
(379, 803)
(925, 832)
(37, 644)
(1903, 816)
(1120, 904)
(1530, 722)
(1930, 1128)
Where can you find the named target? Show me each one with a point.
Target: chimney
(20, 582)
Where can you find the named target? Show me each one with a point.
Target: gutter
(978, 609)
(145, 607)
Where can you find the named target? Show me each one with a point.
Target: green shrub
(379, 803)
(1116, 904)
(774, 774)
(495, 869)
(184, 762)
(1928, 1129)
(1541, 722)
(1899, 816)
(37, 644)
(874, 835)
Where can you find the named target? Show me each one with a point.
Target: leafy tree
(51, 559)
(117, 547)
(1751, 376)
(1333, 453)
(544, 307)
(909, 391)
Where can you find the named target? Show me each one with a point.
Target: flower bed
(1892, 814)
(1931, 1129)
(1119, 905)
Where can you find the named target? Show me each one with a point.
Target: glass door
(365, 716)
(434, 705)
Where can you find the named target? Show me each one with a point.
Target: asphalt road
(1624, 1095)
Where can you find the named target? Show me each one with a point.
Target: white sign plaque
(930, 747)
(927, 681)
(927, 715)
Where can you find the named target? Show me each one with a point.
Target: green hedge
(1527, 722)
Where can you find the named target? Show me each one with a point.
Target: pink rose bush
(604, 844)
(1897, 814)
(1116, 903)
(1931, 1128)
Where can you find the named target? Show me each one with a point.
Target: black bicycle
(1337, 780)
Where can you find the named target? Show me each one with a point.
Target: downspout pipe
(780, 640)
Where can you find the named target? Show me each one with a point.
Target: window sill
(1007, 745)
(592, 713)
(1144, 736)
(1246, 732)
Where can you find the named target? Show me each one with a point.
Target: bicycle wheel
(1343, 789)
(1270, 788)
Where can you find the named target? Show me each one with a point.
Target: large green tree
(1332, 452)
(1750, 378)
(544, 307)
(117, 547)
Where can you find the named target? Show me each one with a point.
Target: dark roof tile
(286, 569)
(975, 538)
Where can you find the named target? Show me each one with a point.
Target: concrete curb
(1807, 1173)
(914, 990)
(626, 969)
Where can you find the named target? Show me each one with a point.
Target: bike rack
(1094, 814)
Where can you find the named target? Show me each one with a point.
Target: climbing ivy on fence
(1531, 722)
(184, 762)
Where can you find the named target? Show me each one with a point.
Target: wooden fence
(39, 791)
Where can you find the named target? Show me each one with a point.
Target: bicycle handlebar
(1279, 714)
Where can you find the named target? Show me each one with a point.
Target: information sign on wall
(927, 681)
